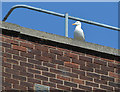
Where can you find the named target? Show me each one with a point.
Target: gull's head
(77, 23)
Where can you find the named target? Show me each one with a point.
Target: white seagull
(78, 33)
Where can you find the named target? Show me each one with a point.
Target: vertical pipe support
(66, 24)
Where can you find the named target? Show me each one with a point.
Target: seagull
(78, 33)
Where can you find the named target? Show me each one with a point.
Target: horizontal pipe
(60, 15)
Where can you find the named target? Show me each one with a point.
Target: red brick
(80, 72)
(19, 87)
(77, 81)
(71, 65)
(34, 71)
(26, 84)
(86, 68)
(11, 41)
(107, 68)
(92, 84)
(34, 80)
(49, 64)
(20, 48)
(70, 84)
(48, 74)
(6, 45)
(4, 74)
(50, 55)
(34, 51)
(12, 61)
(85, 88)
(28, 55)
(86, 78)
(101, 71)
(80, 62)
(26, 74)
(27, 64)
(63, 68)
(5, 64)
(7, 55)
(41, 58)
(12, 71)
(113, 75)
(87, 59)
(49, 84)
(34, 61)
(63, 87)
(11, 81)
(100, 81)
(71, 55)
(100, 62)
(63, 58)
(56, 81)
(41, 48)
(58, 62)
(93, 75)
(41, 77)
(18, 77)
(12, 51)
(106, 87)
(63, 77)
(39, 67)
(58, 52)
(107, 78)
(28, 45)
(19, 58)
(113, 65)
(20, 68)
(93, 65)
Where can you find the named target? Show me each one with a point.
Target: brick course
(26, 62)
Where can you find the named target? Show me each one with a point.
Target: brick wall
(28, 60)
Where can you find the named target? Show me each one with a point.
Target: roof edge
(59, 39)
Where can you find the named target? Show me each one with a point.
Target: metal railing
(60, 15)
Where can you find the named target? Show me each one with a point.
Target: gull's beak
(73, 24)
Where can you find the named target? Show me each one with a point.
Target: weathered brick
(6, 84)
(71, 65)
(80, 62)
(70, 84)
(55, 71)
(34, 51)
(113, 84)
(34, 71)
(28, 45)
(19, 87)
(107, 78)
(4, 74)
(28, 55)
(41, 48)
(34, 61)
(6, 64)
(71, 55)
(58, 62)
(85, 87)
(12, 61)
(77, 81)
(50, 55)
(100, 81)
(93, 75)
(63, 77)
(77, 90)
(19, 58)
(12, 51)
(80, 72)
(48, 74)
(20, 68)
(56, 81)
(7, 55)
(86, 68)
(49, 84)
(97, 66)
(63, 87)
(92, 84)
(101, 71)
(41, 77)
(111, 74)
(49, 64)
(107, 68)
(6, 45)
(34, 80)
(58, 52)
(26, 84)
(41, 67)
(23, 73)
(27, 64)
(64, 68)
(63, 58)
(12, 71)
(100, 62)
(99, 90)
(18, 77)
(113, 65)
(86, 78)
(20, 48)
(42, 58)
(11, 41)
(106, 87)
(87, 59)
(11, 81)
